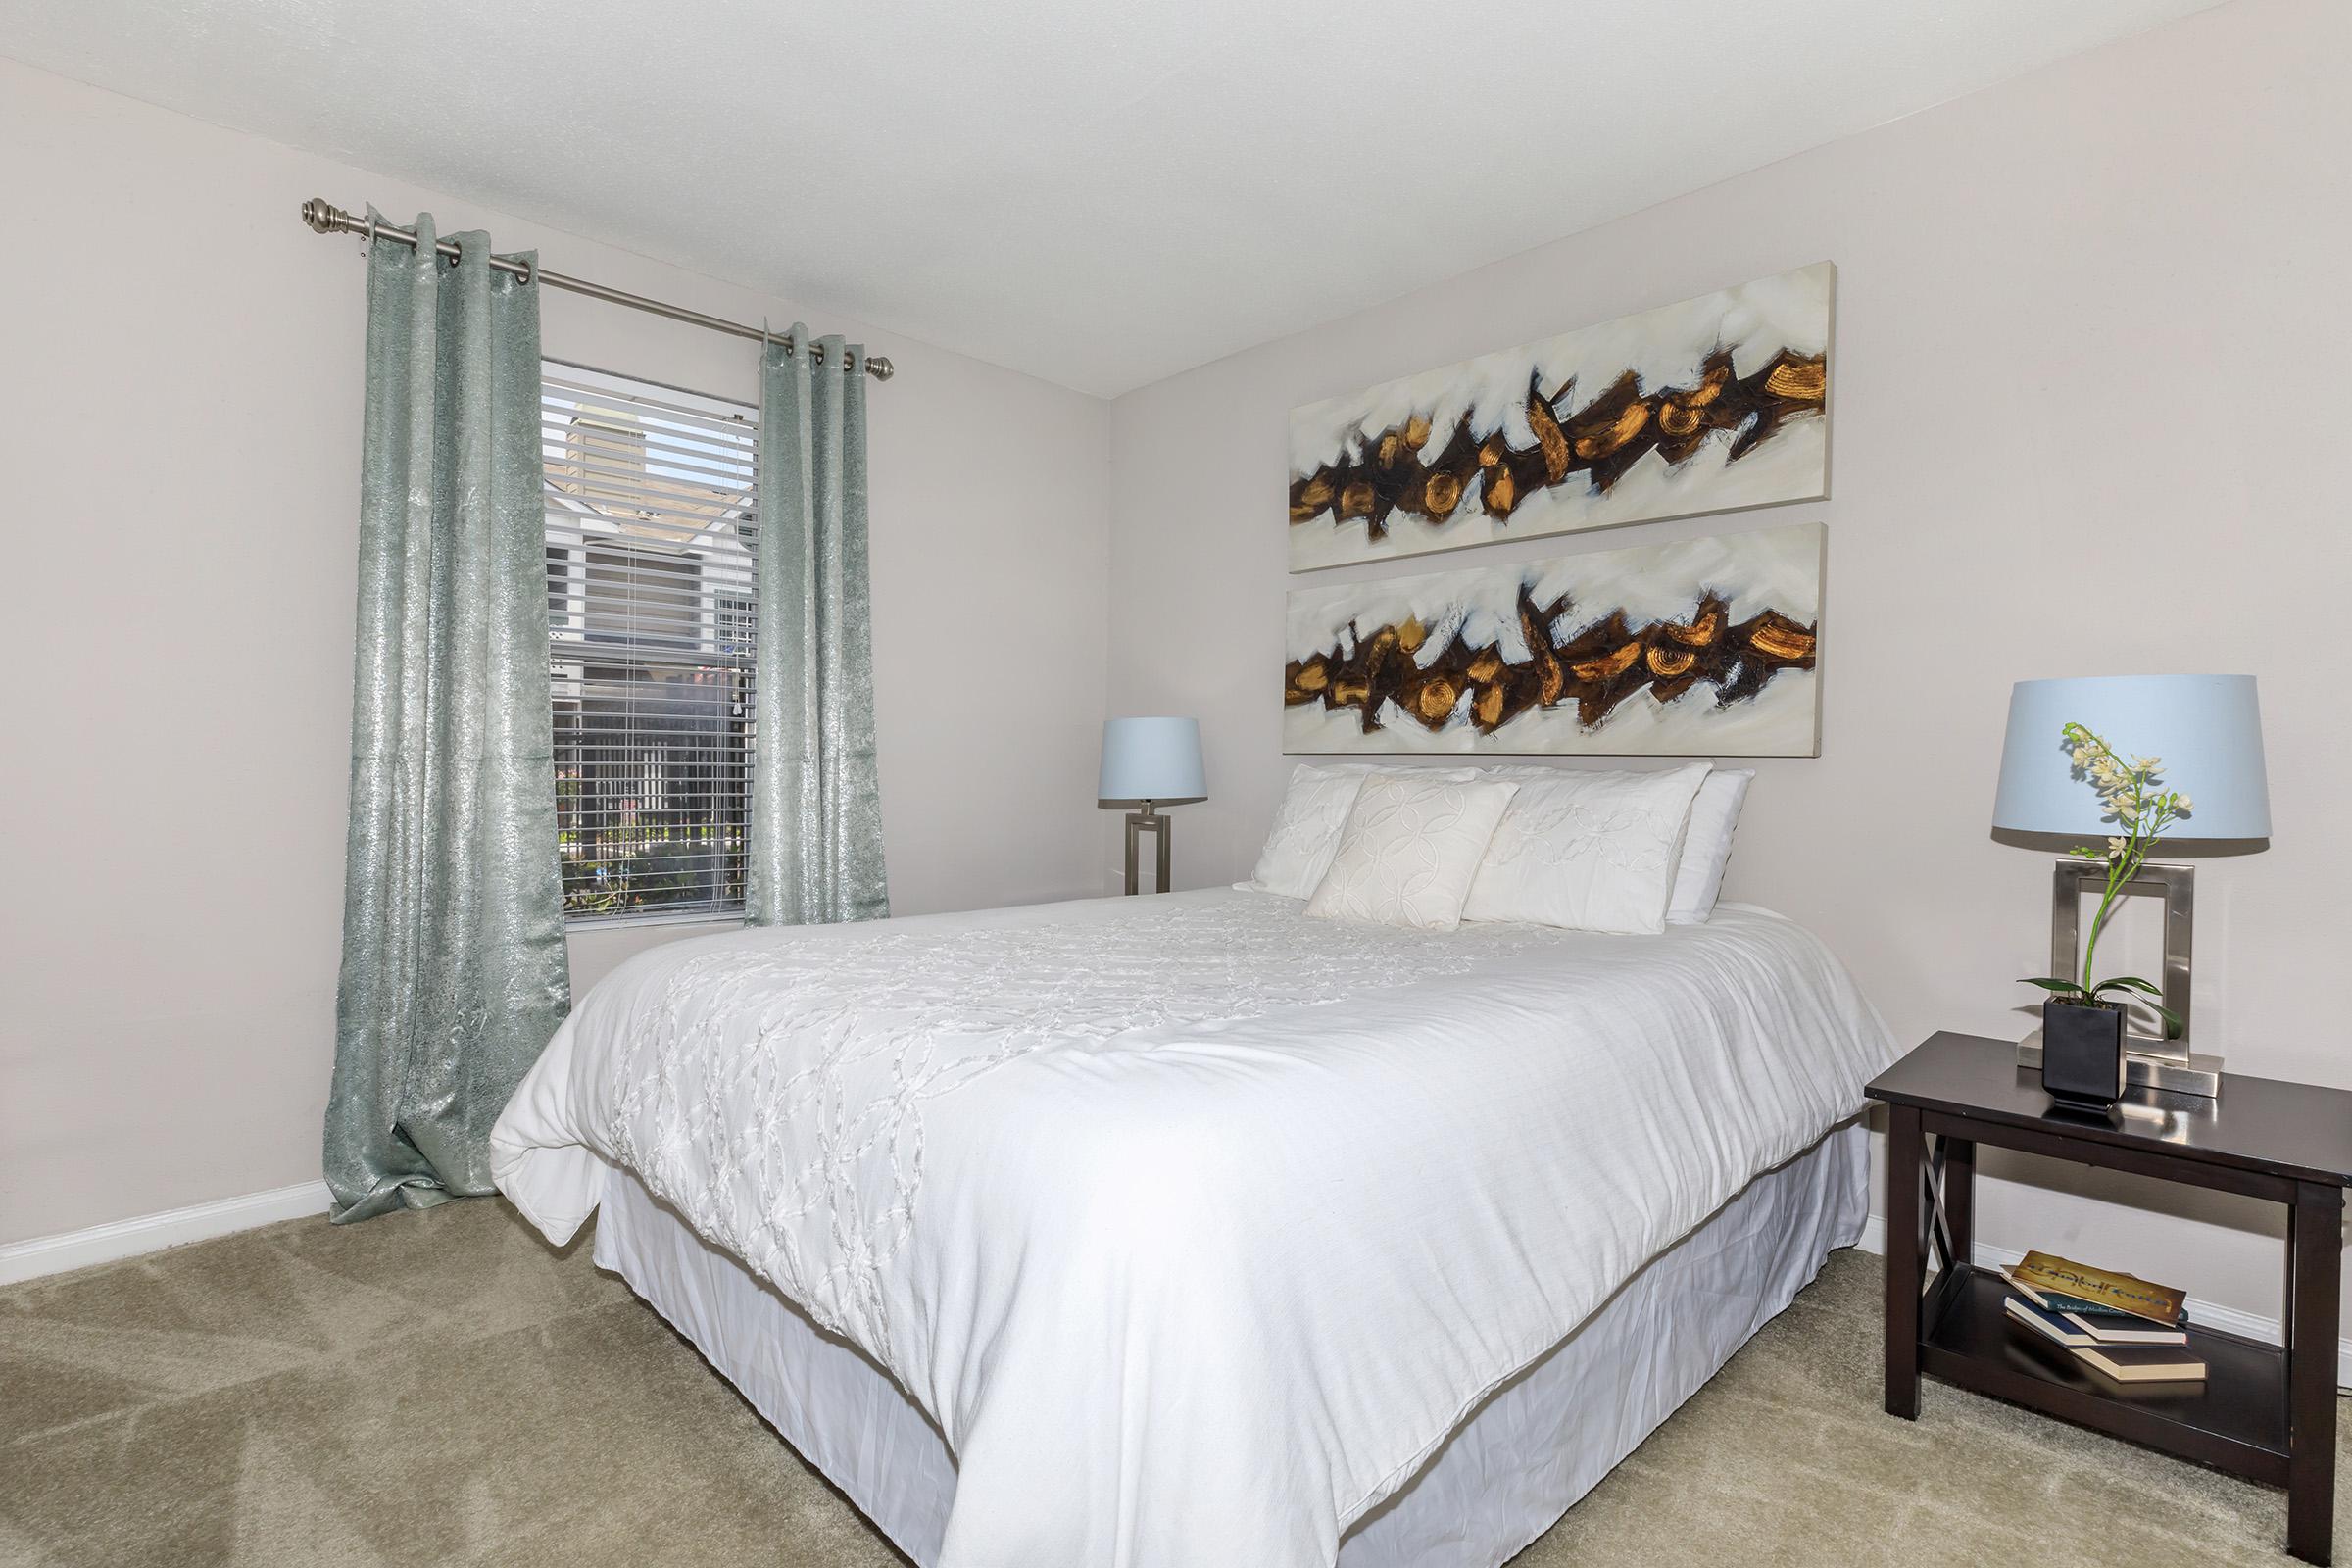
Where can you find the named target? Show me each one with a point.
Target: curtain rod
(327, 218)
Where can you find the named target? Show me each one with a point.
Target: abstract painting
(1716, 403)
(1706, 648)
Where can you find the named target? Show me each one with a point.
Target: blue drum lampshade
(1152, 759)
(2206, 729)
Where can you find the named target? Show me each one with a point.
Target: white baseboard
(152, 1233)
(2229, 1319)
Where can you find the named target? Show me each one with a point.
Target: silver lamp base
(2149, 1062)
(1148, 821)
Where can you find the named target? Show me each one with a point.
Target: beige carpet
(443, 1388)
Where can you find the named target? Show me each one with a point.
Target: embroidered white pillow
(1707, 845)
(1306, 825)
(1306, 830)
(1410, 849)
(1588, 850)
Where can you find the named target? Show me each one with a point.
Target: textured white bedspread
(1196, 1224)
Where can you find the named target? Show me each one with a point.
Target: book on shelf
(2140, 1364)
(2051, 1326)
(2125, 1331)
(2123, 1364)
(2060, 1301)
(2093, 1292)
(2108, 1324)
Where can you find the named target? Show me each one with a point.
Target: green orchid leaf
(2053, 983)
(2129, 982)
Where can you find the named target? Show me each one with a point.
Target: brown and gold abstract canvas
(1703, 648)
(1713, 403)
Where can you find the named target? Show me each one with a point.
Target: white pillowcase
(1410, 849)
(1306, 825)
(1707, 845)
(1588, 850)
(1306, 830)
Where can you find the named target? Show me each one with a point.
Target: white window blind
(650, 532)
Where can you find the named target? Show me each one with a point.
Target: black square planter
(2083, 1054)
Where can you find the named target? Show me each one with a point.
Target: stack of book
(2120, 1326)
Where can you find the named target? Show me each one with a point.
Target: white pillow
(1706, 842)
(1306, 830)
(1707, 845)
(1410, 849)
(1588, 850)
(1306, 825)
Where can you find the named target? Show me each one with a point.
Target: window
(651, 525)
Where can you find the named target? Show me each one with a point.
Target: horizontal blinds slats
(651, 582)
(626, 476)
(614, 491)
(610, 520)
(634, 409)
(645, 518)
(580, 466)
(579, 437)
(570, 651)
(607, 412)
(595, 426)
(596, 591)
(710, 414)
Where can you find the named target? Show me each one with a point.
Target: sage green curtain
(454, 965)
(816, 830)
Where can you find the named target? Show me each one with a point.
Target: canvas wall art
(1704, 647)
(1716, 403)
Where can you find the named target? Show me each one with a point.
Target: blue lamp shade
(1152, 759)
(2207, 730)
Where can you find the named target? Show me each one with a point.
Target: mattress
(1527, 1452)
(1195, 1226)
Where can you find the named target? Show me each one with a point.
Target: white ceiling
(1102, 194)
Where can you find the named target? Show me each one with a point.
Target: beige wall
(179, 422)
(2089, 329)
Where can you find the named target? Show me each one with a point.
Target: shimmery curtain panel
(453, 964)
(815, 833)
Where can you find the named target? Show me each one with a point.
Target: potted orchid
(2083, 1010)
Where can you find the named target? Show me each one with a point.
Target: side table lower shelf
(2235, 1420)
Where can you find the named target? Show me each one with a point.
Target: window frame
(721, 601)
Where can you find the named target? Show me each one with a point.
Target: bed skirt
(1514, 1465)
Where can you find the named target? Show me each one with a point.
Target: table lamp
(1151, 760)
(2207, 731)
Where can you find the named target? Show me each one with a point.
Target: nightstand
(2264, 1411)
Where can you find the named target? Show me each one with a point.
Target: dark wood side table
(2264, 1411)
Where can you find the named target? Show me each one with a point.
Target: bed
(1189, 1230)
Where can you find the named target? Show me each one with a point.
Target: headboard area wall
(2073, 317)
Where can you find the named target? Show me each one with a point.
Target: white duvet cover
(1194, 1224)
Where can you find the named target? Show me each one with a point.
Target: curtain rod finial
(321, 215)
(878, 367)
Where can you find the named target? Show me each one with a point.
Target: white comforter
(1196, 1224)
